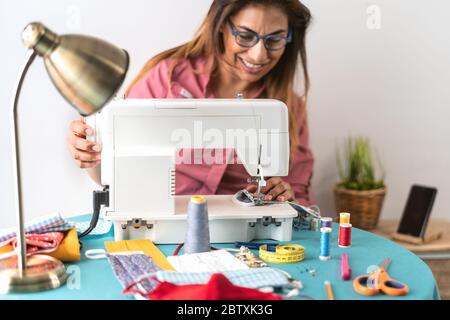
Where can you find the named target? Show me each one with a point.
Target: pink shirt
(216, 178)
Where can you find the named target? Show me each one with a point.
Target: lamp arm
(17, 178)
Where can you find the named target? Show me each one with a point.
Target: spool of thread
(345, 235)
(326, 222)
(197, 230)
(344, 217)
(325, 235)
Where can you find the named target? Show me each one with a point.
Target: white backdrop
(377, 67)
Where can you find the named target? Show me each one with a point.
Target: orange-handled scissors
(380, 281)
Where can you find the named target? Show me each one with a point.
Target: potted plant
(359, 191)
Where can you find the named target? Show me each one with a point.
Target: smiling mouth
(253, 68)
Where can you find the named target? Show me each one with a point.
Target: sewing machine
(140, 139)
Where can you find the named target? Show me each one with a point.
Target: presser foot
(245, 198)
(258, 197)
(259, 200)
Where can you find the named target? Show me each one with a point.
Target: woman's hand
(85, 153)
(275, 190)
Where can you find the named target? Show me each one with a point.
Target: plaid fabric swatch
(251, 278)
(45, 224)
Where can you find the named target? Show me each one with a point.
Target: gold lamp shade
(86, 71)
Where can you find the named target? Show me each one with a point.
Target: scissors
(379, 281)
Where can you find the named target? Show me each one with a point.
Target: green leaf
(356, 165)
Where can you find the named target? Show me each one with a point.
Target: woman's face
(251, 64)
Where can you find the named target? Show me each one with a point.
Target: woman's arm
(302, 159)
(301, 169)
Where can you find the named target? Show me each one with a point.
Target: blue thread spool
(325, 235)
(197, 231)
(326, 222)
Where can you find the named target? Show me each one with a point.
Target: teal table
(94, 279)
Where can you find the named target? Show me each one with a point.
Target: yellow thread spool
(344, 217)
(198, 199)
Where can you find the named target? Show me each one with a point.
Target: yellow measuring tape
(284, 253)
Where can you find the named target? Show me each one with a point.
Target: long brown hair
(279, 82)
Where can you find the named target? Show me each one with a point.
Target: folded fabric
(45, 224)
(39, 243)
(252, 278)
(69, 248)
(143, 245)
(131, 267)
(67, 251)
(6, 249)
(217, 288)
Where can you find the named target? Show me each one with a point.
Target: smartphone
(417, 211)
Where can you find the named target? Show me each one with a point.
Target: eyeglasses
(248, 39)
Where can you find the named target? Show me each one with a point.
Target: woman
(249, 47)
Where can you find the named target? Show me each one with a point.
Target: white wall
(390, 84)
(387, 83)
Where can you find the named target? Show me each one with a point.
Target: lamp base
(42, 273)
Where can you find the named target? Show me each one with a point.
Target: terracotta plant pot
(364, 206)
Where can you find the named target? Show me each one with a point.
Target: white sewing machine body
(140, 138)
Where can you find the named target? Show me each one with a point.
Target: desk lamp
(87, 72)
